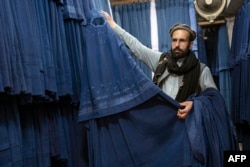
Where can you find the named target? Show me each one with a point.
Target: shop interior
(49, 71)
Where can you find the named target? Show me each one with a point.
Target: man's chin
(178, 55)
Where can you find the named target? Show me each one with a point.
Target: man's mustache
(177, 49)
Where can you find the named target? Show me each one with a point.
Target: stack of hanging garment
(130, 122)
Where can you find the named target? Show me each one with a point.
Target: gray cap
(183, 27)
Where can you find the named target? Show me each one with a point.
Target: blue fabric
(202, 54)
(74, 43)
(27, 77)
(240, 64)
(224, 66)
(35, 67)
(40, 63)
(6, 34)
(28, 139)
(142, 136)
(169, 13)
(10, 140)
(210, 128)
(102, 5)
(41, 136)
(60, 58)
(47, 130)
(5, 145)
(4, 141)
(235, 65)
(116, 9)
(239, 73)
(151, 135)
(73, 9)
(135, 19)
(124, 82)
(131, 122)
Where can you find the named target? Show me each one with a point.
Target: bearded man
(177, 72)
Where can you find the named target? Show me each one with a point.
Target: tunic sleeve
(147, 55)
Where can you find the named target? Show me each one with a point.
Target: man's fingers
(181, 115)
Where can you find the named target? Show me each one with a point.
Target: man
(178, 72)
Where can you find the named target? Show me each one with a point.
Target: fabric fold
(210, 128)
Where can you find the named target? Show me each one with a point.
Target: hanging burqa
(131, 122)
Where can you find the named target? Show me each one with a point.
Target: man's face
(180, 43)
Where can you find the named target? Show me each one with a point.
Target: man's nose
(177, 43)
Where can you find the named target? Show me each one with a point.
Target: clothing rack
(123, 2)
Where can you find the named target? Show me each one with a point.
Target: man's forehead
(180, 34)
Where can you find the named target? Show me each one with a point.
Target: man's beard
(178, 53)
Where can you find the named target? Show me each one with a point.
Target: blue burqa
(131, 122)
